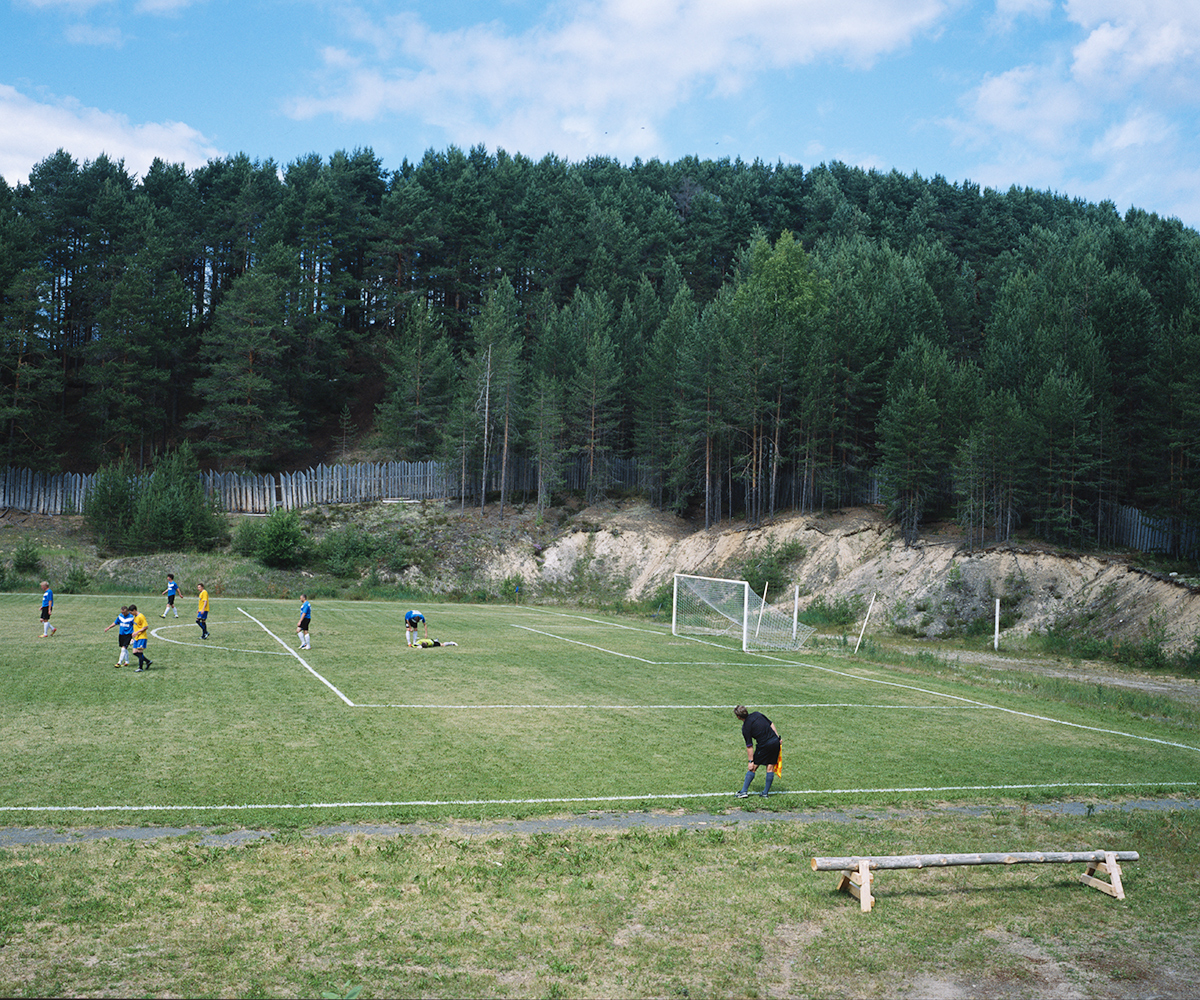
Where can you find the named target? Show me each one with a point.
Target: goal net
(705, 605)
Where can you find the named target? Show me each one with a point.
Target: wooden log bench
(855, 872)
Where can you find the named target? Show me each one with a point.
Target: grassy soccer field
(536, 711)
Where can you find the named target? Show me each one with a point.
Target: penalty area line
(588, 645)
(303, 661)
(635, 797)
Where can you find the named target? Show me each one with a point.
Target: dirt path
(14, 836)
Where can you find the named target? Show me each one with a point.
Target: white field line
(588, 645)
(303, 662)
(635, 797)
(811, 666)
(156, 632)
(912, 687)
(643, 708)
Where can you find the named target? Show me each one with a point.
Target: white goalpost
(706, 605)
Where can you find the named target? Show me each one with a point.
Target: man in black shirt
(763, 746)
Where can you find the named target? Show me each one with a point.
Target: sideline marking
(641, 708)
(298, 657)
(598, 798)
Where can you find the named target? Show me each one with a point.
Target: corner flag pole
(864, 628)
(761, 608)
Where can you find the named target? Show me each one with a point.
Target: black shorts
(303, 626)
(123, 638)
(45, 614)
(170, 600)
(769, 753)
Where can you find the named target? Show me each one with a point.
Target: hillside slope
(929, 589)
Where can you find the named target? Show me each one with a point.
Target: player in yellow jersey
(202, 611)
(141, 635)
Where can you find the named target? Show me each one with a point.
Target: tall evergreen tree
(421, 372)
(495, 375)
(246, 417)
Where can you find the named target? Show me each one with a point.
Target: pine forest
(757, 337)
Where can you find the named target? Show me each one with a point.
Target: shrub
(842, 611)
(346, 549)
(283, 544)
(76, 581)
(247, 537)
(768, 572)
(26, 558)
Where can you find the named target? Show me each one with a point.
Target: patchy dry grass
(726, 912)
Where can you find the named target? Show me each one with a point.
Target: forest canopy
(757, 336)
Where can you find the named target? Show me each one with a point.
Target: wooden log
(898, 861)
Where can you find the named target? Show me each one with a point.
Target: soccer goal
(705, 605)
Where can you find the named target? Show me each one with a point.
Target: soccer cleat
(741, 795)
(763, 795)
(163, 615)
(116, 666)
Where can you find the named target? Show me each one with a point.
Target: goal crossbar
(706, 605)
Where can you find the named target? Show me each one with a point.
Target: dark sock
(770, 778)
(746, 783)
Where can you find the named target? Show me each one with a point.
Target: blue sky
(1097, 99)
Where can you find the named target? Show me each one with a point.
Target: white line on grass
(157, 633)
(906, 687)
(303, 662)
(588, 645)
(643, 708)
(1001, 708)
(653, 797)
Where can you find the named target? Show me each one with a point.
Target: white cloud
(89, 34)
(32, 130)
(1127, 43)
(605, 76)
(1109, 114)
(1029, 103)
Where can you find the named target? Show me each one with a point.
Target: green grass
(537, 710)
(727, 912)
(540, 712)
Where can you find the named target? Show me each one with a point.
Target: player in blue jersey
(47, 611)
(304, 622)
(124, 625)
(412, 621)
(171, 591)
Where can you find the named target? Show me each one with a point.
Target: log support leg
(857, 882)
(1110, 867)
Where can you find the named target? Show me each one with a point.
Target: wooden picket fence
(367, 482)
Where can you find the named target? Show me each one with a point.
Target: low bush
(346, 550)
(283, 543)
(26, 557)
(841, 612)
(247, 537)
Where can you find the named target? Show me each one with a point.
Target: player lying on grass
(428, 643)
